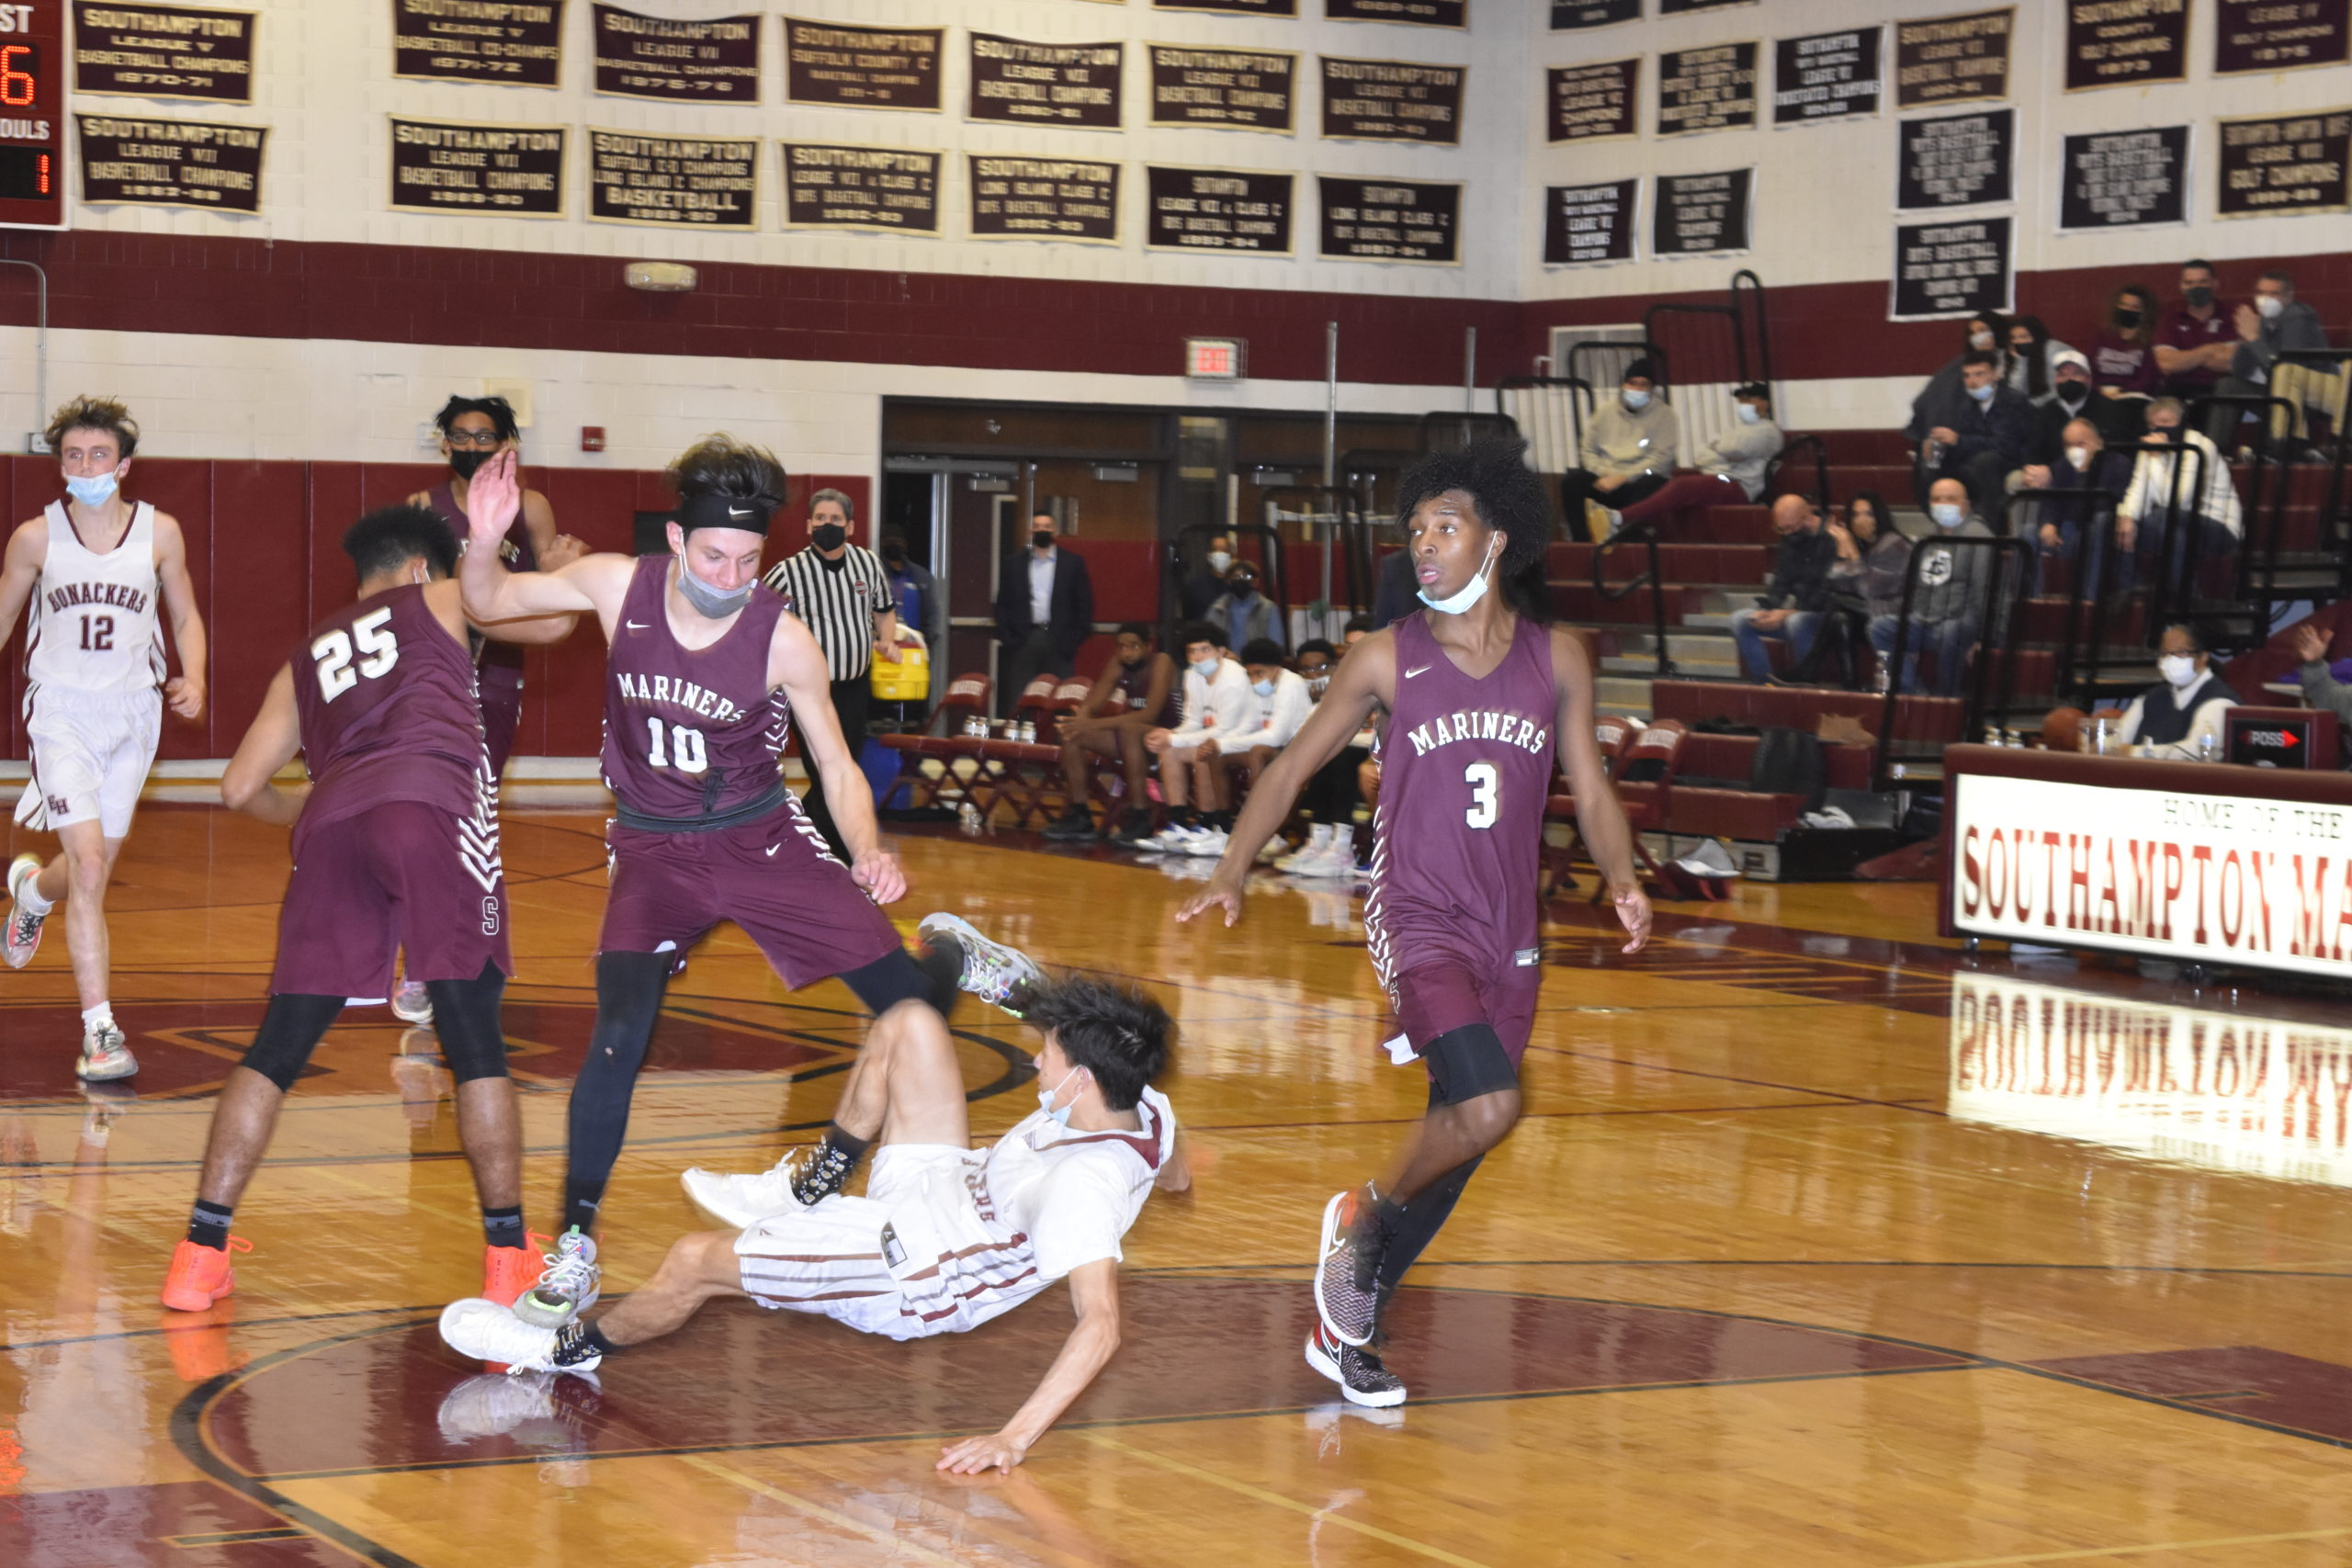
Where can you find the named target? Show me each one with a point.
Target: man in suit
(1044, 609)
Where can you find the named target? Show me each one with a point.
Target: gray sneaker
(104, 1056)
(21, 933)
(993, 972)
(568, 1287)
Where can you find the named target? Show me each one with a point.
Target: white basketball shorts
(91, 752)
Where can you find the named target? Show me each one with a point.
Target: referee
(842, 594)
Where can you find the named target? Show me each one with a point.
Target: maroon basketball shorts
(500, 689)
(393, 877)
(771, 876)
(1435, 998)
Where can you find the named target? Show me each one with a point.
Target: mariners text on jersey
(684, 693)
(114, 595)
(1490, 723)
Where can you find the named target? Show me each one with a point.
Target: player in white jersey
(96, 569)
(947, 1236)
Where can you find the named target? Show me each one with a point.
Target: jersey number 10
(686, 751)
(334, 653)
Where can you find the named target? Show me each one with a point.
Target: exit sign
(1214, 359)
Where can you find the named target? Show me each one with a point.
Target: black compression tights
(628, 998)
(1425, 1214)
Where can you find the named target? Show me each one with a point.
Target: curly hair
(1509, 496)
(392, 536)
(497, 410)
(94, 413)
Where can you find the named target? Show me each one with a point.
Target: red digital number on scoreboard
(32, 114)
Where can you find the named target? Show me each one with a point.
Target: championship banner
(1046, 83)
(1956, 268)
(514, 171)
(1952, 60)
(860, 188)
(1826, 77)
(171, 162)
(1043, 199)
(1392, 100)
(1415, 13)
(1963, 160)
(1574, 16)
(163, 52)
(861, 68)
(1226, 89)
(1229, 7)
(717, 61)
(673, 182)
(2125, 43)
(1706, 89)
(1591, 103)
(2196, 878)
(2117, 178)
(1237, 211)
(518, 43)
(2280, 35)
(1701, 214)
(2292, 163)
(1389, 220)
(1675, 7)
(1587, 224)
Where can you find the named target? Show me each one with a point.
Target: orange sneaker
(200, 1276)
(508, 1272)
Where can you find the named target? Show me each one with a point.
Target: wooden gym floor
(1820, 1246)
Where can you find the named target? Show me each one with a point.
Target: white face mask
(1219, 560)
(95, 491)
(1749, 413)
(1980, 340)
(1946, 514)
(2180, 669)
(1263, 688)
(2078, 457)
(1045, 1098)
(2270, 305)
(1983, 394)
(1471, 591)
(1205, 668)
(1634, 400)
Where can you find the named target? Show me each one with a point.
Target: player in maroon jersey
(396, 845)
(705, 671)
(1479, 698)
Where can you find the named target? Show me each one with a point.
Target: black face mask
(1244, 590)
(895, 559)
(2127, 320)
(1041, 540)
(828, 535)
(2199, 295)
(467, 461)
(2072, 392)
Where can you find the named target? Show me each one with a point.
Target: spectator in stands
(2321, 688)
(2073, 400)
(1794, 599)
(1358, 627)
(2031, 351)
(1044, 609)
(1985, 440)
(1866, 579)
(920, 604)
(2181, 715)
(2276, 321)
(1945, 397)
(1144, 680)
(2123, 356)
(1948, 601)
(2200, 501)
(1283, 703)
(1207, 581)
(1329, 798)
(2196, 341)
(1730, 468)
(1217, 701)
(2054, 528)
(1630, 446)
(1241, 613)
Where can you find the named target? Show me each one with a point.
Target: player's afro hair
(392, 536)
(1118, 1034)
(735, 470)
(500, 413)
(1508, 495)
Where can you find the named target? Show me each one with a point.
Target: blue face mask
(1471, 591)
(1205, 668)
(96, 491)
(1263, 688)
(1982, 394)
(1636, 398)
(1946, 514)
(1045, 1098)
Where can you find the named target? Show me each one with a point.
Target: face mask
(2078, 457)
(467, 461)
(1980, 340)
(1244, 589)
(1471, 591)
(1637, 400)
(1749, 413)
(2072, 392)
(828, 535)
(1946, 514)
(1317, 685)
(2270, 305)
(1045, 1098)
(707, 601)
(2199, 295)
(2127, 320)
(1041, 540)
(895, 559)
(1263, 688)
(1219, 560)
(2177, 668)
(96, 491)
(1205, 668)
(1982, 394)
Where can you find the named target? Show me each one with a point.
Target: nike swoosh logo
(739, 511)
(772, 850)
(1422, 670)
(637, 625)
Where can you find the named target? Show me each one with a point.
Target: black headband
(708, 510)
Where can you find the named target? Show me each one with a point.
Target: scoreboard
(32, 114)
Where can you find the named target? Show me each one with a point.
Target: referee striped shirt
(837, 602)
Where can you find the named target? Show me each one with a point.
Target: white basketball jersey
(94, 626)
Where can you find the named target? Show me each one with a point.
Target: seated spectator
(1241, 615)
(1791, 607)
(1207, 580)
(1329, 798)
(1945, 397)
(2123, 356)
(2054, 528)
(2031, 351)
(1283, 703)
(2195, 344)
(1730, 468)
(2274, 323)
(1145, 681)
(2201, 501)
(1360, 626)
(1949, 598)
(1984, 441)
(2321, 688)
(2118, 421)
(1630, 446)
(1217, 701)
(2182, 713)
(1866, 579)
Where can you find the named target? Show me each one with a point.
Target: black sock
(1222, 821)
(207, 1226)
(581, 1202)
(851, 1146)
(576, 1341)
(941, 959)
(503, 1228)
(1185, 817)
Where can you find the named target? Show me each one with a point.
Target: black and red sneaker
(1358, 1369)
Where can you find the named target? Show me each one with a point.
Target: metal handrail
(1652, 576)
(1271, 567)
(1995, 618)
(2094, 539)
(1790, 445)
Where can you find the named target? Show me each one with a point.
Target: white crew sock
(30, 898)
(98, 1017)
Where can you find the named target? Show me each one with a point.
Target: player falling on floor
(1480, 697)
(94, 568)
(474, 430)
(946, 1237)
(705, 672)
(395, 846)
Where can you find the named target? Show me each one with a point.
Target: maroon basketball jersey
(516, 550)
(691, 733)
(1135, 685)
(1466, 771)
(386, 698)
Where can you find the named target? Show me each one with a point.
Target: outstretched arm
(1598, 816)
(493, 594)
(269, 745)
(186, 695)
(1094, 1292)
(797, 664)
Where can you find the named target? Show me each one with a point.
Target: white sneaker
(566, 1288)
(22, 933)
(995, 972)
(480, 1330)
(740, 1200)
(1339, 859)
(1171, 839)
(1317, 845)
(412, 1003)
(1208, 844)
(104, 1056)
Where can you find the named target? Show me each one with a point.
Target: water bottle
(968, 817)
(2208, 747)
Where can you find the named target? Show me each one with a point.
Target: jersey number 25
(334, 653)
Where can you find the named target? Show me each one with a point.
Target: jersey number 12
(334, 653)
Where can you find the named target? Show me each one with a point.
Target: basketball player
(94, 567)
(705, 673)
(395, 845)
(473, 430)
(1480, 699)
(947, 1236)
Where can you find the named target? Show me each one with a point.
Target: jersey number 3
(1485, 793)
(334, 653)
